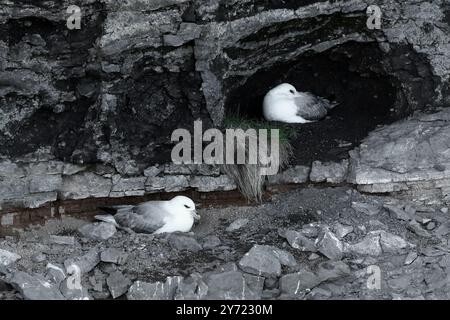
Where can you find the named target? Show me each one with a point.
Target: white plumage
(285, 104)
(176, 215)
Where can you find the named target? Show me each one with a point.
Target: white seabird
(176, 215)
(285, 104)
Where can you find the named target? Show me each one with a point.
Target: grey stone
(285, 258)
(84, 185)
(255, 284)
(391, 243)
(186, 33)
(261, 261)
(183, 242)
(153, 171)
(230, 285)
(37, 200)
(7, 258)
(310, 231)
(113, 255)
(366, 208)
(229, 266)
(294, 175)
(295, 284)
(236, 225)
(85, 263)
(13, 188)
(99, 231)
(329, 172)
(415, 227)
(35, 287)
(443, 229)
(387, 161)
(7, 219)
(167, 183)
(118, 284)
(410, 257)
(342, 231)
(45, 183)
(313, 256)
(369, 246)
(330, 246)
(211, 242)
(129, 184)
(398, 212)
(62, 240)
(431, 226)
(39, 257)
(71, 169)
(192, 288)
(400, 283)
(155, 291)
(209, 184)
(298, 241)
(332, 270)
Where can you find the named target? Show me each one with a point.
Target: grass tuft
(248, 177)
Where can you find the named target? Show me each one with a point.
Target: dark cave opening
(352, 74)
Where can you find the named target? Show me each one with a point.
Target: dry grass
(249, 177)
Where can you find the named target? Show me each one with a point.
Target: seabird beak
(195, 215)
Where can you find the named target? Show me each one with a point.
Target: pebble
(410, 257)
(62, 240)
(236, 225)
(183, 242)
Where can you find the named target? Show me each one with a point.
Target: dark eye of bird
(186, 206)
(292, 91)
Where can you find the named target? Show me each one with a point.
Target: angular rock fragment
(99, 231)
(332, 270)
(113, 255)
(265, 261)
(118, 284)
(7, 258)
(295, 284)
(366, 208)
(62, 240)
(298, 241)
(35, 287)
(155, 291)
(183, 242)
(330, 246)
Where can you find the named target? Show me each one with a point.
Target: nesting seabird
(285, 104)
(176, 215)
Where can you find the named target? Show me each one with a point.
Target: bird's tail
(115, 209)
(107, 218)
(333, 104)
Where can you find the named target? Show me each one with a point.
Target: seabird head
(284, 90)
(185, 205)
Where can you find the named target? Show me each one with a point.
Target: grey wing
(311, 107)
(144, 218)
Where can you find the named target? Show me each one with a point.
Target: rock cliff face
(103, 100)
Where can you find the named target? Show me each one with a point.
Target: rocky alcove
(86, 117)
(366, 81)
